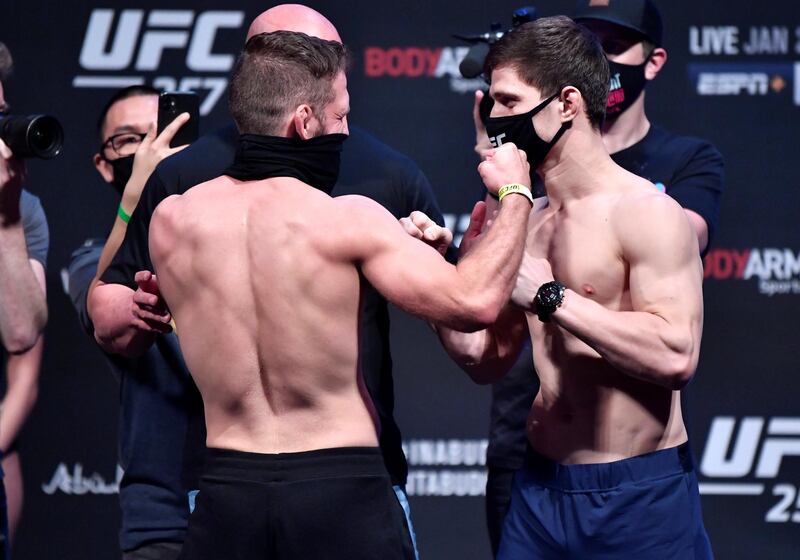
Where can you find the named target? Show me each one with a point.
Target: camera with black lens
(32, 136)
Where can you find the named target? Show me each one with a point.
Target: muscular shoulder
(361, 217)
(361, 224)
(648, 221)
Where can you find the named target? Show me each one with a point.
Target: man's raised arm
(414, 277)
(23, 309)
(659, 340)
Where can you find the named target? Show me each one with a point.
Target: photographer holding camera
(23, 310)
(24, 240)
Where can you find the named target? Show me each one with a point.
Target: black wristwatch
(548, 298)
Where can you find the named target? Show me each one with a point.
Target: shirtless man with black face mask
(690, 170)
(610, 292)
(264, 272)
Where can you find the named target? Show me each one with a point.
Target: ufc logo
(720, 459)
(497, 141)
(164, 29)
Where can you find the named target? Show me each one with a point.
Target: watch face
(550, 295)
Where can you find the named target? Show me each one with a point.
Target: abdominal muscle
(588, 412)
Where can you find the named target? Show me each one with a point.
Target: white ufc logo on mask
(497, 141)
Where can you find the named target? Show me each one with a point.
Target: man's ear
(570, 104)
(657, 60)
(103, 168)
(304, 122)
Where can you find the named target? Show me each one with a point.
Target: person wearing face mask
(689, 170)
(155, 438)
(368, 167)
(610, 294)
(264, 272)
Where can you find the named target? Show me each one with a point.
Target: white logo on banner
(755, 454)
(756, 60)
(732, 83)
(114, 49)
(76, 483)
(446, 467)
(725, 40)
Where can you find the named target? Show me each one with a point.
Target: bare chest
(583, 252)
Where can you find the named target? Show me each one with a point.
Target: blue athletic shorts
(646, 507)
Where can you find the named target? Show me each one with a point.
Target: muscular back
(266, 308)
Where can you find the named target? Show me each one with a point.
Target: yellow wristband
(515, 188)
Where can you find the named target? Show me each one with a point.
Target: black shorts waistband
(603, 476)
(292, 467)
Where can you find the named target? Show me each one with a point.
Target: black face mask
(315, 161)
(627, 84)
(519, 129)
(123, 167)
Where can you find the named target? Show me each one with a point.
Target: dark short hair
(278, 71)
(552, 53)
(6, 62)
(124, 93)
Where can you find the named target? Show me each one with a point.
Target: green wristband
(123, 215)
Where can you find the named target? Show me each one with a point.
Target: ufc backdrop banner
(733, 77)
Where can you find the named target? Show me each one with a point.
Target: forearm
(23, 310)
(110, 248)
(486, 275)
(23, 389)
(130, 199)
(640, 344)
(115, 329)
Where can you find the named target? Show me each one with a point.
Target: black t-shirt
(368, 168)
(690, 170)
(161, 435)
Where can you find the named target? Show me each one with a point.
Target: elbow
(481, 313)
(121, 345)
(680, 370)
(472, 362)
(21, 341)
(24, 337)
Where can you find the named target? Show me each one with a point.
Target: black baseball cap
(641, 16)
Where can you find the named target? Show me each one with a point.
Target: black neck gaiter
(314, 162)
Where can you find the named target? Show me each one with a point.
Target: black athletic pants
(325, 504)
